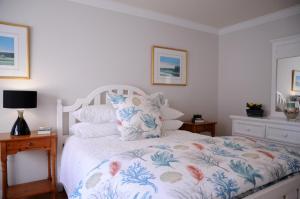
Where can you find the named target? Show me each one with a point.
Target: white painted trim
(261, 20)
(148, 14)
(286, 40)
(139, 12)
(276, 43)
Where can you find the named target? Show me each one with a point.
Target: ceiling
(214, 13)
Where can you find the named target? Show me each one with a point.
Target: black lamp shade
(19, 99)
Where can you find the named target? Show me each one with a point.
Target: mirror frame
(276, 45)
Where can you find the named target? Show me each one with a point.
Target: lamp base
(20, 127)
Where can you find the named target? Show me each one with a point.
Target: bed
(178, 165)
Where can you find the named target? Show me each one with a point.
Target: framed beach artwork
(296, 80)
(169, 66)
(14, 51)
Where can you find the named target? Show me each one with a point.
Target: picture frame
(14, 51)
(296, 80)
(169, 66)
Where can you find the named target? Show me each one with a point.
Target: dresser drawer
(21, 145)
(283, 134)
(249, 128)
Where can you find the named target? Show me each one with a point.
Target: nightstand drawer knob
(30, 143)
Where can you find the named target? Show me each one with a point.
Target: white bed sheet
(80, 155)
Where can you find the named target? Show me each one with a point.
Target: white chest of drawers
(276, 130)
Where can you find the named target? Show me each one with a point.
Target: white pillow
(139, 116)
(168, 113)
(170, 125)
(90, 130)
(96, 114)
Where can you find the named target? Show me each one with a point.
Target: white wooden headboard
(98, 96)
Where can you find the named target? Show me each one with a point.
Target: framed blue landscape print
(296, 80)
(169, 66)
(14, 51)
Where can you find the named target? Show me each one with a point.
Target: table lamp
(19, 100)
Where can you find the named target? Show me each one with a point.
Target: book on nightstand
(198, 121)
(44, 130)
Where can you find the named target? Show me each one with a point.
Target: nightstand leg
(213, 131)
(4, 170)
(49, 165)
(53, 195)
(53, 167)
(194, 129)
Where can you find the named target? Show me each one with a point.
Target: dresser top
(276, 120)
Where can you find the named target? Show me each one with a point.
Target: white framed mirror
(285, 71)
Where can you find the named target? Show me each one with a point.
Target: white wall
(245, 65)
(76, 48)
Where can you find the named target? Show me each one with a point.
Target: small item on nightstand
(44, 130)
(254, 110)
(197, 118)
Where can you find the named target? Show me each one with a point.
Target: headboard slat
(120, 92)
(97, 100)
(72, 120)
(130, 92)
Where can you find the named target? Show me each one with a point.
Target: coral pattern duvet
(222, 167)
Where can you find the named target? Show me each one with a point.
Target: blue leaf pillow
(138, 116)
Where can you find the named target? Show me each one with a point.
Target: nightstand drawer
(249, 128)
(22, 145)
(199, 127)
(283, 134)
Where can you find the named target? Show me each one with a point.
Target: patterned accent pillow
(138, 116)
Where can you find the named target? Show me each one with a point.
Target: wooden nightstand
(11, 145)
(200, 127)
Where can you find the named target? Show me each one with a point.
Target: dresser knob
(248, 130)
(286, 135)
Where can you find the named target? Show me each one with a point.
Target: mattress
(178, 165)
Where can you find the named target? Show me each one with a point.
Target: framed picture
(169, 66)
(14, 51)
(296, 80)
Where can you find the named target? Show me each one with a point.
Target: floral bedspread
(221, 167)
